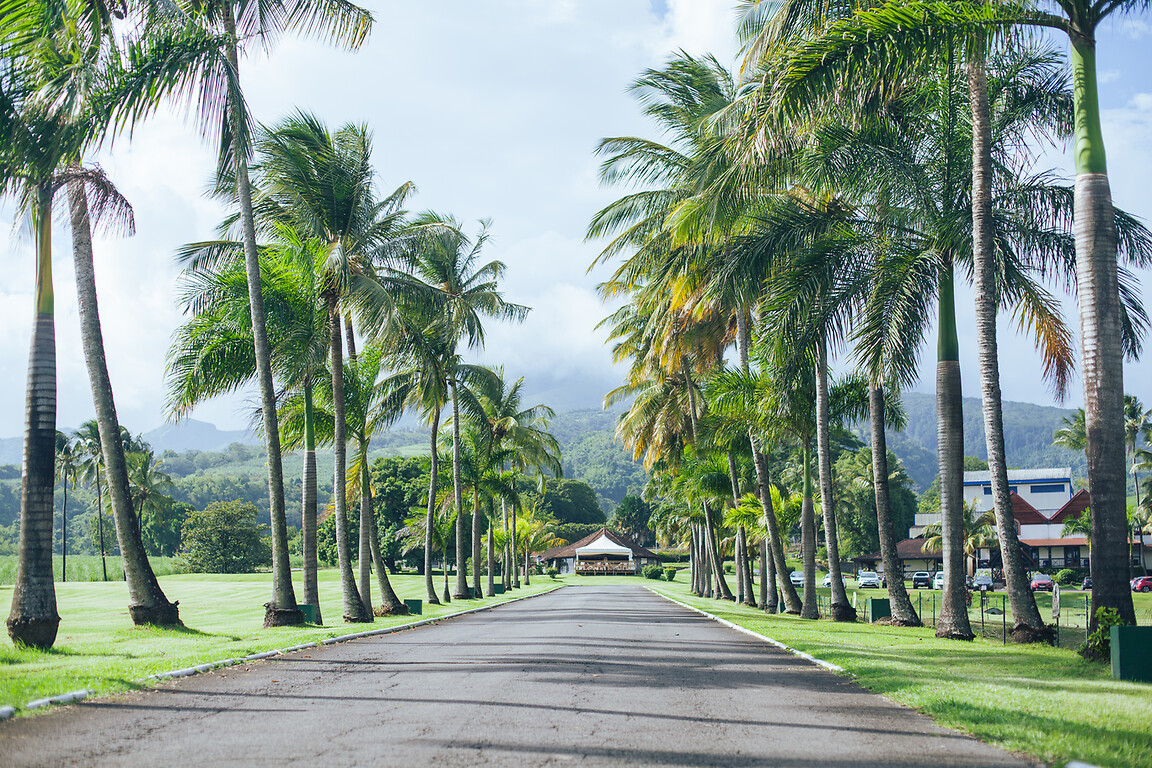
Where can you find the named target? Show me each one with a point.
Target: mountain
(193, 435)
(1028, 430)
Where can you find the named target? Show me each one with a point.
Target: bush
(727, 567)
(1064, 577)
(224, 538)
(552, 572)
(1099, 645)
(669, 573)
(652, 572)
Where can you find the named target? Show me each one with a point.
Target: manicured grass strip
(1041, 701)
(99, 650)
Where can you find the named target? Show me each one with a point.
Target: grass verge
(98, 647)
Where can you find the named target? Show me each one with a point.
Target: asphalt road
(603, 676)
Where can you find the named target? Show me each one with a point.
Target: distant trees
(224, 538)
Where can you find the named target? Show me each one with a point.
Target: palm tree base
(462, 595)
(390, 610)
(952, 634)
(33, 632)
(843, 612)
(357, 619)
(163, 615)
(447, 597)
(1024, 634)
(282, 617)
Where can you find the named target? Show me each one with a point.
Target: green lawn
(98, 648)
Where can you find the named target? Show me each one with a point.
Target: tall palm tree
(445, 273)
(212, 353)
(92, 471)
(343, 23)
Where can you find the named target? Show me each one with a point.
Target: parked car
(1087, 583)
(1042, 581)
(938, 580)
(868, 580)
(1142, 584)
(921, 579)
(797, 578)
(828, 580)
(983, 582)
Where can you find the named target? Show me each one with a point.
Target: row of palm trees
(824, 202)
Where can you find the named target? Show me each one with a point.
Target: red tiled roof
(1073, 542)
(1025, 513)
(569, 550)
(1072, 508)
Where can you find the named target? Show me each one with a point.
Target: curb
(77, 696)
(801, 654)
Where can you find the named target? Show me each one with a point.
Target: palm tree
(444, 273)
(92, 470)
(212, 353)
(67, 469)
(148, 483)
(416, 535)
(343, 23)
(979, 532)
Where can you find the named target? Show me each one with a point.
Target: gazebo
(601, 553)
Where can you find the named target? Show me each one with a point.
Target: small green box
(879, 608)
(498, 589)
(415, 607)
(1132, 653)
(309, 612)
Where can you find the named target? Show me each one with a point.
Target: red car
(1042, 581)
(1142, 584)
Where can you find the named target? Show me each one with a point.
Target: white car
(868, 580)
(938, 580)
(797, 578)
(828, 580)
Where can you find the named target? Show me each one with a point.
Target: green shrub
(1064, 577)
(552, 572)
(652, 572)
(669, 573)
(224, 538)
(727, 567)
(1099, 645)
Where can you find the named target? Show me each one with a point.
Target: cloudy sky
(493, 109)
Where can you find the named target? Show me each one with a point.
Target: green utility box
(1132, 653)
(498, 589)
(309, 612)
(879, 608)
(415, 607)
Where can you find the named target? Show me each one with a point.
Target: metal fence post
(1004, 619)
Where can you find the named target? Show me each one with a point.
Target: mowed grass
(98, 647)
(1044, 702)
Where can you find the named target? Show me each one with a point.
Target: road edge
(752, 633)
(72, 697)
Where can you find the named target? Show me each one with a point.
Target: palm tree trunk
(515, 570)
(775, 543)
(148, 604)
(900, 604)
(749, 582)
(477, 538)
(33, 620)
(741, 587)
(365, 549)
(461, 592)
(1029, 627)
(491, 591)
(64, 534)
(842, 610)
(100, 527)
(354, 608)
(308, 512)
(722, 590)
(765, 571)
(506, 560)
(953, 621)
(282, 609)
(527, 575)
(390, 604)
(694, 560)
(430, 518)
(1102, 357)
(809, 609)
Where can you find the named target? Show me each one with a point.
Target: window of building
(1054, 488)
(1011, 489)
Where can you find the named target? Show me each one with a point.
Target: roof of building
(1055, 474)
(569, 550)
(1072, 508)
(1025, 513)
(909, 549)
(1070, 542)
